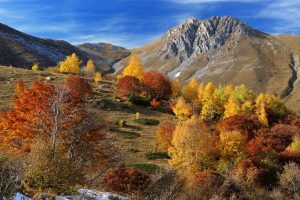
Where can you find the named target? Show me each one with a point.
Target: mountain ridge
(224, 50)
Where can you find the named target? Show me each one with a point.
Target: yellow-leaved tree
(89, 69)
(261, 109)
(190, 91)
(135, 68)
(175, 88)
(294, 147)
(232, 107)
(231, 146)
(200, 92)
(191, 145)
(97, 77)
(35, 67)
(207, 111)
(182, 109)
(70, 64)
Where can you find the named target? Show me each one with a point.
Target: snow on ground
(82, 194)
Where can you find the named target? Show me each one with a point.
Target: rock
(194, 37)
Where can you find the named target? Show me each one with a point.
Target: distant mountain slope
(105, 54)
(222, 50)
(22, 50)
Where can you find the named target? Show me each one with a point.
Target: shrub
(155, 103)
(145, 167)
(137, 100)
(159, 85)
(147, 121)
(10, 177)
(281, 136)
(128, 85)
(133, 150)
(289, 179)
(79, 88)
(46, 170)
(157, 155)
(164, 134)
(128, 134)
(126, 180)
(246, 124)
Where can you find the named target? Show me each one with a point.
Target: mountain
(226, 50)
(22, 50)
(104, 54)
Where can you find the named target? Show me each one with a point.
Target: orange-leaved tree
(44, 111)
(158, 84)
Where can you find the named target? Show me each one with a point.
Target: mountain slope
(222, 50)
(22, 50)
(104, 54)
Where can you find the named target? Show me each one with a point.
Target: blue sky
(132, 23)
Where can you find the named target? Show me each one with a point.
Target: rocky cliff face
(194, 37)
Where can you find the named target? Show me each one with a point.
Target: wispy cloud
(286, 15)
(209, 1)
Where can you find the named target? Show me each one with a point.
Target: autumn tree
(243, 94)
(164, 134)
(158, 84)
(175, 88)
(78, 88)
(207, 112)
(191, 145)
(89, 69)
(35, 67)
(44, 111)
(135, 68)
(182, 109)
(20, 88)
(70, 64)
(190, 91)
(232, 107)
(231, 145)
(200, 92)
(128, 85)
(97, 77)
(270, 109)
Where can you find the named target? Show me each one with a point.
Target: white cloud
(210, 1)
(286, 13)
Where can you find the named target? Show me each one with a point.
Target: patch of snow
(21, 197)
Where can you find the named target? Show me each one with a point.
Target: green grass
(157, 155)
(128, 134)
(145, 167)
(147, 121)
(133, 150)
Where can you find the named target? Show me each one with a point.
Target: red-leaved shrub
(281, 136)
(126, 180)
(79, 88)
(246, 124)
(159, 85)
(128, 85)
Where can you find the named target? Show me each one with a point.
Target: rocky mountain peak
(195, 36)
